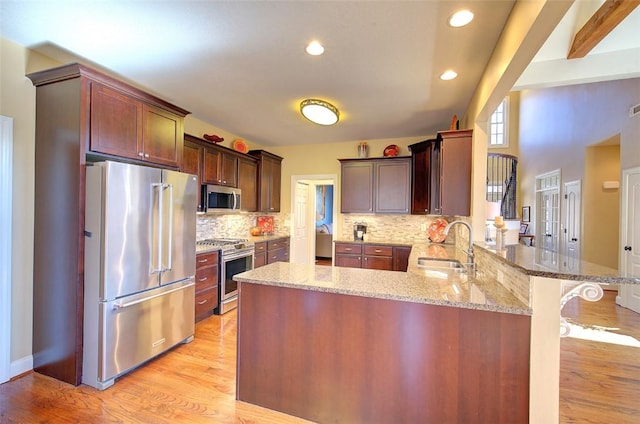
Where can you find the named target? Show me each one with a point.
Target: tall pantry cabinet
(80, 114)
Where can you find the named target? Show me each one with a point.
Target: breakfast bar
(332, 344)
(336, 344)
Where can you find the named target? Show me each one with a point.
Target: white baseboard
(21, 366)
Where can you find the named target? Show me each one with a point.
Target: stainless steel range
(236, 256)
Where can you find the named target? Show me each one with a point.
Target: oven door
(231, 265)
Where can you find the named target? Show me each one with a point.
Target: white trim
(21, 366)
(6, 207)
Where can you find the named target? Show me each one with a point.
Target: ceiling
(241, 65)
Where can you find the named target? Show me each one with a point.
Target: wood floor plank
(195, 382)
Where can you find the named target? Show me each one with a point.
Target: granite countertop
(416, 285)
(544, 263)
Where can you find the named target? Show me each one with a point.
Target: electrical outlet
(423, 227)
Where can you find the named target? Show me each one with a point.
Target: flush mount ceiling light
(461, 18)
(314, 48)
(319, 111)
(448, 75)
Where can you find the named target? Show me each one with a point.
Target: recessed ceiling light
(448, 75)
(319, 111)
(461, 18)
(314, 48)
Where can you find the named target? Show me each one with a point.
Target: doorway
(6, 181)
(304, 215)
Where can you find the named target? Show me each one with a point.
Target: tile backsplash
(236, 225)
(396, 228)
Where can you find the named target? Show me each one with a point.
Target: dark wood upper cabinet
(375, 185)
(220, 167)
(123, 125)
(248, 183)
(269, 180)
(162, 136)
(455, 172)
(392, 185)
(441, 180)
(82, 113)
(356, 186)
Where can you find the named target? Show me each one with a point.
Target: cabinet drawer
(276, 244)
(206, 277)
(378, 250)
(349, 248)
(206, 259)
(260, 247)
(206, 302)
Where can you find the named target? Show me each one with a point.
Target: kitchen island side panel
(330, 357)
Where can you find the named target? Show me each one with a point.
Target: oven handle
(237, 255)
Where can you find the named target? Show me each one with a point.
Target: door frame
(313, 180)
(6, 218)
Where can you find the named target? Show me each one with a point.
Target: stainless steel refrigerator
(139, 267)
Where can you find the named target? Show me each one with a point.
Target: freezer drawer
(134, 329)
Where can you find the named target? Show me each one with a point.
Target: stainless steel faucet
(469, 252)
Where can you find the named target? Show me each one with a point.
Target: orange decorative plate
(436, 230)
(240, 146)
(391, 150)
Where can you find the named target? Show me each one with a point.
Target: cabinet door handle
(202, 302)
(378, 250)
(140, 154)
(202, 261)
(202, 279)
(348, 249)
(146, 155)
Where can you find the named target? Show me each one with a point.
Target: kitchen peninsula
(336, 344)
(355, 345)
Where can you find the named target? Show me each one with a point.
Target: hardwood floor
(600, 382)
(195, 383)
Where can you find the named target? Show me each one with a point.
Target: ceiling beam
(606, 18)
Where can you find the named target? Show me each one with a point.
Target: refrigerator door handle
(117, 307)
(157, 266)
(170, 235)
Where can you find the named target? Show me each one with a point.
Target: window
(498, 133)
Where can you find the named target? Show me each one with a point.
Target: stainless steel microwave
(220, 199)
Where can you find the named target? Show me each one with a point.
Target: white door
(571, 234)
(300, 241)
(629, 295)
(6, 174)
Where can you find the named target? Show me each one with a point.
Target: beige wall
(314, 159)
(601, 209)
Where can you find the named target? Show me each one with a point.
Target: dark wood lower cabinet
(207, 280)
(372, 256)
(329, 357)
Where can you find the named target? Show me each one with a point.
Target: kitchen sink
(441, 264)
